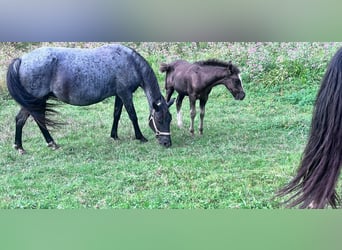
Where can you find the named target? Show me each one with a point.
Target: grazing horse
(317, 175)
(84, 77)
(196, 80)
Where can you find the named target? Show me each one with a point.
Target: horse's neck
(152, 92)
(216, 77)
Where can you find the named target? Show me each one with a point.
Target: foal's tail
(164, 67)
(315, 182)
(37, 107)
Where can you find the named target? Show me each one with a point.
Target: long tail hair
(37, 107)
(319, 169)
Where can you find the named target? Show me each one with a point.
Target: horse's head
(159, 121)
(233, 82)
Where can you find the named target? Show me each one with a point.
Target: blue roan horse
(83, 77)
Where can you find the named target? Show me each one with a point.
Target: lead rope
(155, 126)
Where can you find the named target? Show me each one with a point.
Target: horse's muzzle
(240, 96)
(164, 140)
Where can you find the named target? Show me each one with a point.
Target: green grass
(249, 150)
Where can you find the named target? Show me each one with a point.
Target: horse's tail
(37, 107)
(164, 67)
(315, 182)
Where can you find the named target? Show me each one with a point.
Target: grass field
(249, 148)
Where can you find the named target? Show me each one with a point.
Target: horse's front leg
(117, 114)
(128, 103)
(202, 113)
(20, 121)
(192, 113)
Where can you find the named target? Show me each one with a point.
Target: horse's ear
(170, 102)
(230, 66)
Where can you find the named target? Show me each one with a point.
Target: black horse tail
(37, 107)
(164, 67)
(317, 175)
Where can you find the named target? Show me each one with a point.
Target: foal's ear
(230, 66)
(170, 102)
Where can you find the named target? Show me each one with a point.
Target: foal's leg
(169, 93)
(117, 113)
(192, 113)
(20, 121)
(128, 103)
(202, 113)
(179, 112)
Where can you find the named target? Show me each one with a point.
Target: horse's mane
(212, 62)
(219, 63)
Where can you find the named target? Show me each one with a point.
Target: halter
(156, 130)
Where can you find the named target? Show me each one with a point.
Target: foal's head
(233, 82)
(160, 119)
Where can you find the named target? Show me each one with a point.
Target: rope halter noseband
(156, 130)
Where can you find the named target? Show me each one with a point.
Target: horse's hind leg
(202, 113)
(192, 113)
(117, 113)
(169, 92)
(49, 140)
(20, 121)
(179, 112)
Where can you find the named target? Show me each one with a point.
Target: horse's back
(182, 68)
(180, 75)
(180, 65)
(78, 76)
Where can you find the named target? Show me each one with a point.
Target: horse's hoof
(20, 150)
(143, 140)
(53, 145)
(115, 138)
(312, 205)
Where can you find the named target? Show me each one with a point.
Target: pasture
(249, 149)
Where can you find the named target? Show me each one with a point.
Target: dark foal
(196, 80)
